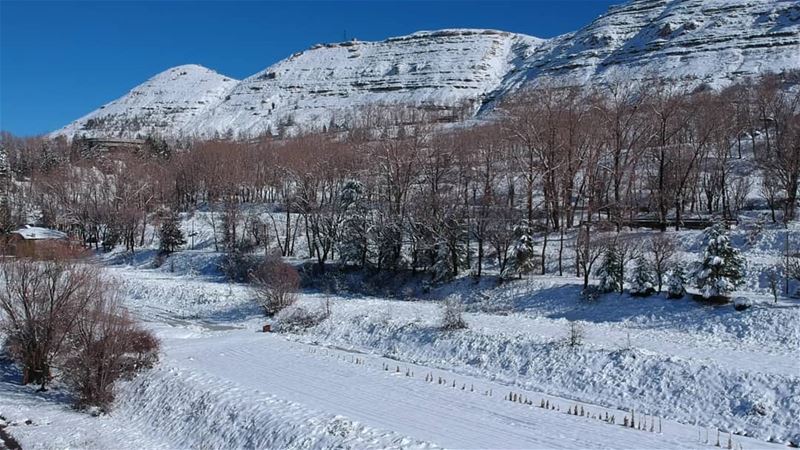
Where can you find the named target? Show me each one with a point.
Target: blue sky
(61, 60)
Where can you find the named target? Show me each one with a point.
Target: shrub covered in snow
(297, 318)
(590, 293)
(275, 283)
(742, 303)
(722, 268)
(238, 266)
(453, 314)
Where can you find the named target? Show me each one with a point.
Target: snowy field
(379, 373)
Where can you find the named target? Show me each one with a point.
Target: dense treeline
(401, 191)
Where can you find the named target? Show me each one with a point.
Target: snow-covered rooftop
(39, 233)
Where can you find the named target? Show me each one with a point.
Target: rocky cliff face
(715, 42)
(458, 73)
(448, 71)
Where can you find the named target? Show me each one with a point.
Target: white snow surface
(29, 232)
(222, 384)
(693, 42)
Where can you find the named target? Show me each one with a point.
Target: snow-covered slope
(691, 41)
(457, 73)
(164, 104)
(440, 71)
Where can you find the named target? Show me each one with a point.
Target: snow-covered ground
(368, 377)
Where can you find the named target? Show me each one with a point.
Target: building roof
(38, 233)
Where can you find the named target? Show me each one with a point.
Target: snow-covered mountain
(440, 70)
(458, 72)
(715, 42)
(162, 105)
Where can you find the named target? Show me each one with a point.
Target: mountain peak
(162, 105)
(188, 70)
(456, 73)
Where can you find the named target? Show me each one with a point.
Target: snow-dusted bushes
(238, 266)
(742, 303)
(297, 318)
(107, 345)
(453, 314)
(275, 284)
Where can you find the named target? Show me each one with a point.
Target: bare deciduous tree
(41, 301)
(662, 247)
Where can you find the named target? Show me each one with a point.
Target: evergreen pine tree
(643, 281)
(676, 283)
(523, 256)
(442, 267)
(170, 233)
(353, 244)
(722, 268)
(609, 271)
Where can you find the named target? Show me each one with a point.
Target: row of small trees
(720, 270)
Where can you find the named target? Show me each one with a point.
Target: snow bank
(190, 410)
(687, 388)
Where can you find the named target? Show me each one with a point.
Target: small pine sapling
(523, 256)
(609, 272)
(676, 283)
(170, 234)
(642, 284)
(575, 335)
